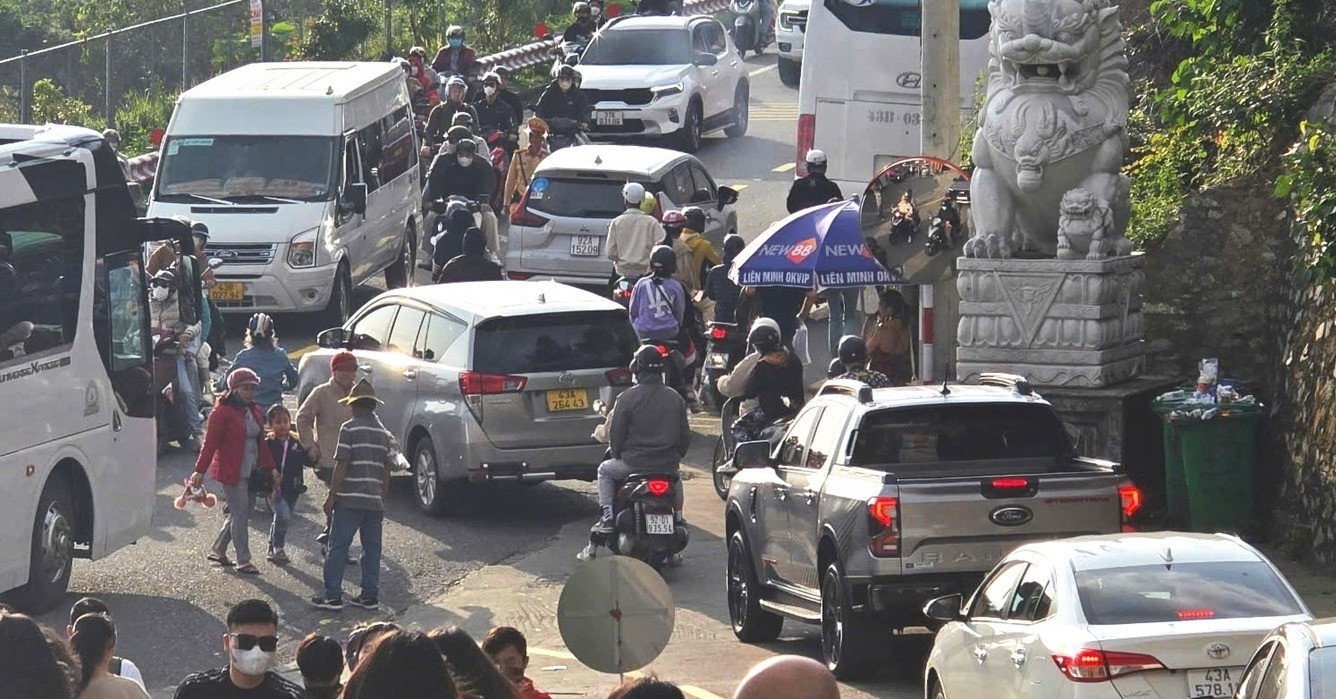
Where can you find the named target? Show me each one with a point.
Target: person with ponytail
(94, 643)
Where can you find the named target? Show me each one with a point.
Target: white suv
(789, 31)
(664, 76)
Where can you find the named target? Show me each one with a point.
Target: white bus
(859, 98)
(77, 452)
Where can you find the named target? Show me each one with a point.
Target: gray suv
(486, 381)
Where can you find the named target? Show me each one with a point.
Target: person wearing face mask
(424, 73)
(442, 116)
(562, 99)
(533, 148)
(165, 319)
(494, 114)
(250, 643)
(510, 99)
(582, 30)
(461, 172)
(455, 58)
(596, 9)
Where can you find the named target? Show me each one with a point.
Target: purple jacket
(657, 308)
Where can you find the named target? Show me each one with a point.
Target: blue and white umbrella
(818, 247)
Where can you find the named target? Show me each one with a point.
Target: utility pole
(939, 304)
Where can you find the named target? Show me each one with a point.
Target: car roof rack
(847, 387)
(1017, 383)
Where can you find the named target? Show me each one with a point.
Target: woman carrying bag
(234, 451)
(524, 163)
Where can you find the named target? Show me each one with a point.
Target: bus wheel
(52, 555)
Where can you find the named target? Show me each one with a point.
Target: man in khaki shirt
(321, 416)
(632, 235)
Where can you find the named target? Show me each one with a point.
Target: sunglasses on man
(246, 641)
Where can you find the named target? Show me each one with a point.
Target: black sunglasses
(163, 284)
(246, 641)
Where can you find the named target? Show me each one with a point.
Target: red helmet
(674, 219)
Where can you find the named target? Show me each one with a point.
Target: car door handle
(410, 374)
(364, 367)
(116, 421)
(782, 494)
(809, 496)
(1018, 658)
(980, 655)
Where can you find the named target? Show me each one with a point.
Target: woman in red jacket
(234, 449)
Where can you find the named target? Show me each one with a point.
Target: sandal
(248, 569)
(220, 558)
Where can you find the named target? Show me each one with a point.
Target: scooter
(564, 132)
(748, 34)
(944, 231)
(643, 520)
(727, 345)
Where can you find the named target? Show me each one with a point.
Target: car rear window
(554, 342)
(1183, 592)
(890, 438)
(577, 197)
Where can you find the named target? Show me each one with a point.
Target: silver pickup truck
(876, 502)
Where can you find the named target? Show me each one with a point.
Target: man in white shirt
(632, 235)
(117, 666)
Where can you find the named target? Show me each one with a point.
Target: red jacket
(224, 442)
(441, 63)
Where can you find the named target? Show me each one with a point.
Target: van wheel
(845, 635)
(435, 496)
(751, 623)
(400, 274)
(52, 551)
(790, 72)
(340, 299)
(741, 113)
(689, 137)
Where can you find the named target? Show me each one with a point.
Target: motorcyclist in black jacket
(462, 172)
(494, 114)
(582, 30)
(813, 189)
(562, 99)
(472, 265)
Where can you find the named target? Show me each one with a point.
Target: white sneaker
(587, 553)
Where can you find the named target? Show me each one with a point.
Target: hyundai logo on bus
(909, 80)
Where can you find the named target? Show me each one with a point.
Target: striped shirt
(364, 444)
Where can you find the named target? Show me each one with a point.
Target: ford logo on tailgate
(1011, 515)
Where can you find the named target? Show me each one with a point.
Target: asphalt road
(169, 602)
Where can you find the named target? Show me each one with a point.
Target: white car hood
(225, 228)
(623, 77)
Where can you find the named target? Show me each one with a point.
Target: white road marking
(766, 69)
(785, 167)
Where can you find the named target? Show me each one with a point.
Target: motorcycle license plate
(658, 524)
(717, 360)
(584, 245)
(228, 291)
(609, 118)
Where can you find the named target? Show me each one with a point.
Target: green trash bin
(1175, 480)
(1210, 468)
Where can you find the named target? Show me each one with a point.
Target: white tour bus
(307, 176)
(859, 98)
(77, 451)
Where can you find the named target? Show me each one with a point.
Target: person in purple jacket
(658, 309)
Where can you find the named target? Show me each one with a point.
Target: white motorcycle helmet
(633, 193)
(815, 161)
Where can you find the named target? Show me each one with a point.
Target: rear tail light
(1195, 614)
(883, 522)
(657, 487)
(1090, 665)
(524, 217)
(1131, 498)
(472, 383)
(620, 376)
(806, 137)
(518, 276)
(663, 350)
(1011, 484)
(718, 333)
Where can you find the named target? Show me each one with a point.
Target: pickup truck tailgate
(967, 524)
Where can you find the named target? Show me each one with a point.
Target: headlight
(301, 251)
(666, 90)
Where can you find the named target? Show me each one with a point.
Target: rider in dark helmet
(464, 172)
(658, 308)
(853, 355)
(835, 369)
(724, 291)
(775, 381)
(647, 433)
(703, 254)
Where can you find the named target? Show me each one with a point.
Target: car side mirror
(753, 455)
(706, 60)
(727, 197)
(334, 338)
(945, 609)
(356, 194)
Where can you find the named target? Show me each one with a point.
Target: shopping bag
(800, 343)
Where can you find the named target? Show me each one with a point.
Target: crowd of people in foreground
(380, 660)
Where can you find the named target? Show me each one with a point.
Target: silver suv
(486, 381)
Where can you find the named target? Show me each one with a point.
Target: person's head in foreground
(788, 677)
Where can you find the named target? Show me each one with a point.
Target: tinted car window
(373, 329)
(703, 189)
(793, 449)
(638, 47)
(554, 342)
(1033, 599)
(404, 336)
(440, 334)
(996, 595)
(1272, 684)
(1183, 591)
(1322, 672)
(964, 432)
(714, 33)
(677, 184)
(826, 438)
(577, 198)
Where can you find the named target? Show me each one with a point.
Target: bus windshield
(234, 168)
(904, 18)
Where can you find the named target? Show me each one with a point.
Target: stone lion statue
(1053, 123)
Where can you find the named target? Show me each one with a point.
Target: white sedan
(1129, 615)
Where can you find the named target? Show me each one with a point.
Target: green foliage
(338, 32)
(50, 104)
(141, 113)
(1231, 107)
(1309, 186)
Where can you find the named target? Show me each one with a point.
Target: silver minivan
(486, 381)
(560, 229)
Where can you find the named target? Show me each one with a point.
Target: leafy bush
(140, 114)
(50, 104)
(338, 32)
(1309, 185)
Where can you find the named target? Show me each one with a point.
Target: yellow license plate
(561, 399)
(228, 291)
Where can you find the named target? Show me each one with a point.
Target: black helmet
(467, 146)
(566, 71)
(647, 360)
(663, 261)
(458, 134)
(764, 336)
(834, 369)
(852, 350)
(695, 218)
(733, 244)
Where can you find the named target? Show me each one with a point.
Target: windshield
(254, 168)
(1183, 592)
(891, 439)
(904, 18)
(639, 47)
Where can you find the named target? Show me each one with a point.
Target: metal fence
(167, 54)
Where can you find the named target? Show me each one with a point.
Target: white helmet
(816, 157)
(765, 323)
(633, 193)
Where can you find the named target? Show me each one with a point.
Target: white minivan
(306, 175)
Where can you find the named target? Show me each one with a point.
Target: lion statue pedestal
(1049, 288)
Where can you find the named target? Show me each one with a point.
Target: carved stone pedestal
(1063, 323)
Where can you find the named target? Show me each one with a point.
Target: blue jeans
(843, 304)
(278, 528)
(187, 385)
(368, 526)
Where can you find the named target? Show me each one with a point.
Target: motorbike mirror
(215, 262)
(705, 60)
(753, 455)
(727, 197)
(944, 609)
(334, 338)
(926, 182)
